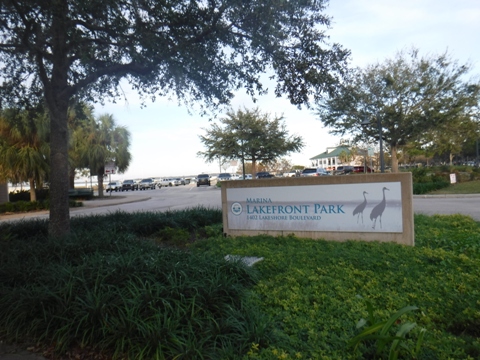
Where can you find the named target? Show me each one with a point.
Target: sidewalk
(115, 199)
(107, 200)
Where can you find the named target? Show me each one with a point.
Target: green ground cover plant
(469, 187)
(157, 285)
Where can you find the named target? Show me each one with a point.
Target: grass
(468, 187)
(157, 286)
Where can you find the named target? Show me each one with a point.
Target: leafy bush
(24, 195)
(106, 288)
(122, 296)
(426, 187)
(309, 288)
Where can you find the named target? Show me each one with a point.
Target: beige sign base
(403, 205)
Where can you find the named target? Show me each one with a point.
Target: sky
(165, 136)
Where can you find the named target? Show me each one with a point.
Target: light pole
(380, 135)
(241, 133)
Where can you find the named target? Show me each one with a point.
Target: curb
(108, 202)
(459, 196)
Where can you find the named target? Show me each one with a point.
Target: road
(164, 199)
(448, 205)
(181, 197)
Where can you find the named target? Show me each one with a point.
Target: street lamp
(365, 123)
(241, 132)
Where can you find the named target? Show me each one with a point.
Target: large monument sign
(369, 207)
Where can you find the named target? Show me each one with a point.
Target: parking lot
(188, 196)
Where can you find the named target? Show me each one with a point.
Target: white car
(314, 172)
(178, 181)
(114, 186)
(292, 173)
(166, 182)
(247, 177)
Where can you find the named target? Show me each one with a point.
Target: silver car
(314, 172)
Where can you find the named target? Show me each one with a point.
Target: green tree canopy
(250, 136)
(194, 50)
(408, 95)
(450, 138)
(100, 141)
(24, 150)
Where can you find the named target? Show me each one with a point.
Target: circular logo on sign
(237, 208)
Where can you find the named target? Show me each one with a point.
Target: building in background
(333, 157)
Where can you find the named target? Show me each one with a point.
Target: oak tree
(402, 98)
(251, 136)
(198, 51)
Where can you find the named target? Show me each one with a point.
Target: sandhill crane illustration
(360, 207)
(377, 211)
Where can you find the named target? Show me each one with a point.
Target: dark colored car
(147, 184)
(224, 176)
(343, 170)
(129, 185)
(203, 179)
(264, 175)
(361, 169)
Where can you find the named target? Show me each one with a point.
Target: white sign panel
(362, 207)
(110, 168)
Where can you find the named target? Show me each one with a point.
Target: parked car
(224, 176)
(203, 179)
(314, 172)
(147, 184)
(114, 186)
(247, 177)
(264, 175)
(361, 169)
(129, 185)
(178, 181)
(343, 170)
(165, 182)
(291, 173)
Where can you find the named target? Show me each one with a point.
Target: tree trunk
(59, 208)
(71, 178)
(451, 156)
(393, 152)
(100, 185)
(57, 95)
(33, 195)
(254, 168)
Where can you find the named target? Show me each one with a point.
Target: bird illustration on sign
(360, 207)
(378, 210)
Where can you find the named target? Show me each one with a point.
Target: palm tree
(24, 148)
(101, 141)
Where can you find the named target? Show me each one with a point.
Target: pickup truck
(129, 185)
(165, 182)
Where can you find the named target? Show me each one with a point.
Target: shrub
(115, 294)
(424, 188)
(24, 195)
